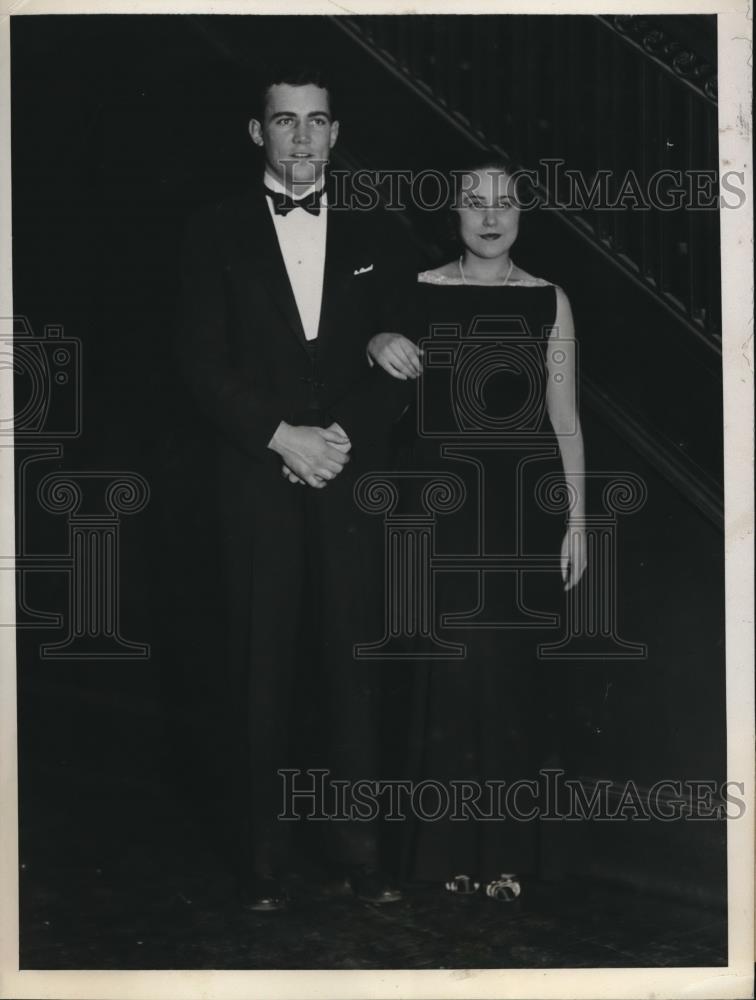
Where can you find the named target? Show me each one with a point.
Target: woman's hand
(574, 556)
(396, 354)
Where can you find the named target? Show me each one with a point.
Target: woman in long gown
(494, 347)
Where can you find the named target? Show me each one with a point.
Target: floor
(117, 873)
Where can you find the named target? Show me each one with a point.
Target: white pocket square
(364, 270)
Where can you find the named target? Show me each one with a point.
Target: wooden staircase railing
(622, 105)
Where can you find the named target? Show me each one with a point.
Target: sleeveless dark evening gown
(481, 718)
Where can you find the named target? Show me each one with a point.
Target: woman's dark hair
(481, 165)
(295, 75)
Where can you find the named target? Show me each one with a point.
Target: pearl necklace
(504, 282)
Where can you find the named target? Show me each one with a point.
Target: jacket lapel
(338, 269)
(260, 254)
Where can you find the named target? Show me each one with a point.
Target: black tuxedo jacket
(241, 345)
(243, 354)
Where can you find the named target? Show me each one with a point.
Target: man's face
(297, 133)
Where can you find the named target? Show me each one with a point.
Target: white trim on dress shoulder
(436, 278)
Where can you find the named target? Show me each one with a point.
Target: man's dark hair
(299, 75)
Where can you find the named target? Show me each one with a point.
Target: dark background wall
(121, 127)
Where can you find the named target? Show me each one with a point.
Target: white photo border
(734, 980)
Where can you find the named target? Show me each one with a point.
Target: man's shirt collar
(275, 185)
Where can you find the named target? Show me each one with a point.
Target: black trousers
(304, 568)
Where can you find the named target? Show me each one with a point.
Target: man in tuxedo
(281, 293)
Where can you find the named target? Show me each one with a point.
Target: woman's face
(487, 213)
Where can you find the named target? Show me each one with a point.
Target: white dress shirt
(302, 239)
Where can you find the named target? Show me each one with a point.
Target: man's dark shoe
(264, 894)
(371, 885)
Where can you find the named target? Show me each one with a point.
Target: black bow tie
(283, 204)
